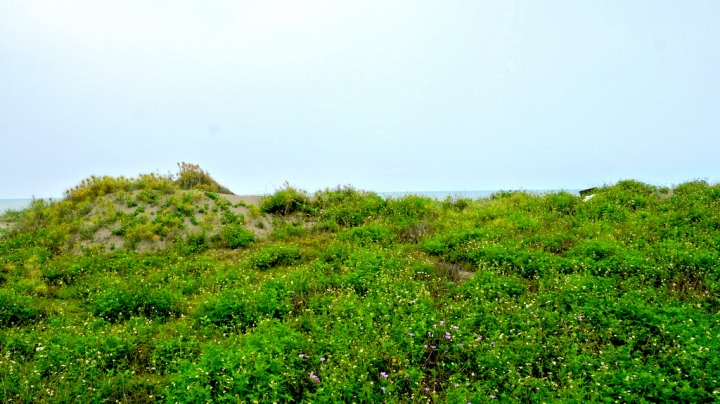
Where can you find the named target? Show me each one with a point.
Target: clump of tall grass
(191, 176)
(94, 187)
(285, 201)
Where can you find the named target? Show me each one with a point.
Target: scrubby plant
(236, 236)
(347, 207)
(273, 256)
(17, 310)
(191, 176)
(352, 297)
(286, 230)
(285, 201)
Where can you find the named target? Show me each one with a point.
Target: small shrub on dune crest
(191, 176)
(285, 201)
(95, 187)
(347, 207)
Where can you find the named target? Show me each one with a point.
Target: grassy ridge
(356, 298)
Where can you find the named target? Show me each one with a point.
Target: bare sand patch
(247, 199)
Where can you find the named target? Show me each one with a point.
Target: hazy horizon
(408, 96)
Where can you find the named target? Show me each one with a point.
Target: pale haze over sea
(14, 204)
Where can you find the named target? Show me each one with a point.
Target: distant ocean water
(14, 204)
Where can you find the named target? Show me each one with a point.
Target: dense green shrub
(273, 256)
(408, 209)
(196, 242)
(285, 201)
(563, 203)
(119, 303)
(245, 369)
(17, 310)
(284, 231)
(367, 235)
(348, 207)
(237, 236)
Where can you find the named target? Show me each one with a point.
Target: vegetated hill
(345, 296)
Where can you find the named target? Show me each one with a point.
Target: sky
(380, 95)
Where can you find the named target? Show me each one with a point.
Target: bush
(117, 304)
(562, 203)
(191, 176)
(196, 242)
(367, 235)
(347, 207)
(274, 256)
(17, 310)
(408, 209)
(284, 231)
(285, 201)
(236, 236)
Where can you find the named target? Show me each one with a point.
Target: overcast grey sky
(383, 95)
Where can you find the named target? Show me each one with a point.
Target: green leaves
(274, 256)
(17, 310)
(122, 302)
(357, 298)
(236, 236)
(285, 201)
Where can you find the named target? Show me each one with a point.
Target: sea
(14, 204)
(18, 204)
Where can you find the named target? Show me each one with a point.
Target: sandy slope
(95, 231)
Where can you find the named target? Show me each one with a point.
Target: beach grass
(166, 289)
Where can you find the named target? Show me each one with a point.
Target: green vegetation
(161, 289)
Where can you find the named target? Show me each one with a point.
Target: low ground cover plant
(352, 297)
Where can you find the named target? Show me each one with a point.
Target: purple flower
(302, 355)
(314, 377)
(383, 374)
(461, 345)
(442, 323)
(456, 327)
(448, 336)
(383, 389)
(532, 312)
(433, 346)
(491, 396)
(492, 343)
(580, 317)
(411, 334)
(427, 388)
(478, 339)
(322, 359)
